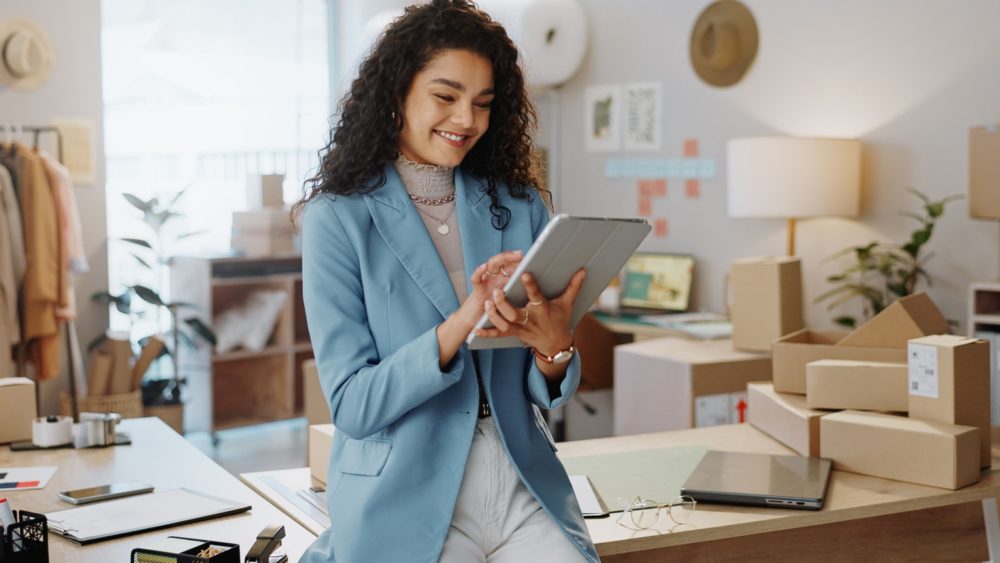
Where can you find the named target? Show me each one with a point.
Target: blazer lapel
(480, 242)
(400, 225)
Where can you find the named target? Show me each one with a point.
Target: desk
(163, 458)
(864, 517)
(280, 487)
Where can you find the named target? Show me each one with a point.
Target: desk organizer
(147, 555)
(26, 540)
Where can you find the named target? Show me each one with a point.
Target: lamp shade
(791, 178)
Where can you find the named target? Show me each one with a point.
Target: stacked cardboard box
(263, 232)
(766, 301)
(785, 417)
(851, 384)
(17, 408)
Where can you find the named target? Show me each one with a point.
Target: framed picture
(643, 116)
(601, 117)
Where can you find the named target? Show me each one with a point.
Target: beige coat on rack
(10, 330)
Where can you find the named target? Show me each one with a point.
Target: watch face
(562, 357)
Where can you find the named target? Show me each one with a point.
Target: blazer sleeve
(366, 393)
(538, 387)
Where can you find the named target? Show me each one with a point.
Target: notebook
(781, 481)
(656, 283)
(133, 515)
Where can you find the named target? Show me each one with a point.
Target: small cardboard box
(766, 301)
(785, 418)
(17, 408)
(984, 172)
(265, 190)
(320, 443)
(792, 353)
(905, 449)
(675, 383)
(949, 381)
(849, 384)
(316, 407)
(912, 316)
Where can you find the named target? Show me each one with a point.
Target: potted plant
(881, 272)
(182, 327)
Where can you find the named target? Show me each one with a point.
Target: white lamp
(793, 178)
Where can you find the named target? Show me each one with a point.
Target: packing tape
(51, 431)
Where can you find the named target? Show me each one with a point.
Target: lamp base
(791, 237)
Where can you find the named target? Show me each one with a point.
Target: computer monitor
(658, 282)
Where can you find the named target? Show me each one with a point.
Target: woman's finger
(568, 296)
(495, 317)
(477, 275)
(531, 289)
(508, 311)
(504, 260)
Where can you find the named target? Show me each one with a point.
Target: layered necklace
(443, 227)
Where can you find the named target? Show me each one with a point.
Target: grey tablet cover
(783, 481)
(601, 245)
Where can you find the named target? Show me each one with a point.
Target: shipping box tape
(785, 418)
(949, 381)
(901, 448)
(766, 301)
(791, 354)
(851, 384)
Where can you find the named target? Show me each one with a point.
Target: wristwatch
(559, 358)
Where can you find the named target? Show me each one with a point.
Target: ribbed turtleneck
(435, 182)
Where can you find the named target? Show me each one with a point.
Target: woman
(421, 210)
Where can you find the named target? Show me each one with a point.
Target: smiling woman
(423, 207)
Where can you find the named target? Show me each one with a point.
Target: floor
(262, 447)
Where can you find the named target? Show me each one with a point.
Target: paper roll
(51, 431)
(550, 34)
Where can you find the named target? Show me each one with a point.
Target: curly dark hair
(366, 138)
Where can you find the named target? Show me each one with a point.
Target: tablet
(601, 245)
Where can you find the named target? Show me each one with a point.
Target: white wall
(72, 91)
(907, 77)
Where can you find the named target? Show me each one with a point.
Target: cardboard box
(766, 301)
(785, 417)
(317, 410)
(675, 383)
(949, 381)
(849, 384)
(265, 190)
(905, 449)
(792, 353)
(263, 232)
(984, 172)
(17, 408)
(912, 316)
(320, 443)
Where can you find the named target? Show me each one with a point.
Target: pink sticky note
(690, 147)
(692, 189)
(645, 206)
(645, 188)
(659, 188)
(660, 227)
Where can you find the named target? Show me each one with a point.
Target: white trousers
(497, 520)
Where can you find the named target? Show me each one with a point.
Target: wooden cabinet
(984, 307)
(243, 387)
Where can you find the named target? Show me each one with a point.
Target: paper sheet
(590, 505)
(26, 478)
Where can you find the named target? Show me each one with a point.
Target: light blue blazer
(375, 290)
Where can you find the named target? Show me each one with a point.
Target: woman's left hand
(542, 324)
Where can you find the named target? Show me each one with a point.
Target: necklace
(422, 200)
(443, 227)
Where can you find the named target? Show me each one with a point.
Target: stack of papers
(705, 326)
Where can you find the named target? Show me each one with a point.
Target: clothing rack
(38, 131)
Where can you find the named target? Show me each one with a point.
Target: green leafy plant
(881, 272)
(152, 256)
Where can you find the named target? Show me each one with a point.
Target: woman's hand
(541, 324)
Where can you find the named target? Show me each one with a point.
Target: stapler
(268, 540)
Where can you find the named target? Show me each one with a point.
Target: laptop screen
(658, 281)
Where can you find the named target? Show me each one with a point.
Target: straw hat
(25, 54)
(723, 43)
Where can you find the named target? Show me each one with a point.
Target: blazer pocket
(365, 457)
(543, 427)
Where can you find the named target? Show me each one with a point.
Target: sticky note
(692, 189)
(613, 168)
(706, 169)
(645, 207)
(690, 167)
(658, 188)
(645, 188)
(660, 227)
(673, 168)
(690, 147)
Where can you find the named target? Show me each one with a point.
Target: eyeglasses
(638, 516)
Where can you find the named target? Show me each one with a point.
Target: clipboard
(602, 245)
(142, 513)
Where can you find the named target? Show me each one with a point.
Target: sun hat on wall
(723, 43)
(25, 54)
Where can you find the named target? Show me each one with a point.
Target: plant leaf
(148, 295)
(138, 242)
(201, 329)
(140, 260)
(845, 321)
(191, 234)
(139, 203)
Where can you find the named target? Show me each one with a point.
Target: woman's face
(447, 108)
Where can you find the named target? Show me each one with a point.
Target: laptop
(656, 284)
(779, 481)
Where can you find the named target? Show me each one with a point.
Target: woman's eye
(444, 98)
(484, 105)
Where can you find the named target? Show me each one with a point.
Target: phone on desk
(105, 492)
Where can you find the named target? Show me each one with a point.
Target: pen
(6, 515)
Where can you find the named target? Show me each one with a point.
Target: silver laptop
(781, 481)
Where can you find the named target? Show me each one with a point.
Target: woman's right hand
(495, 273)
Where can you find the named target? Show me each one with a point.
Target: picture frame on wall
(642, 123)
(601, 118)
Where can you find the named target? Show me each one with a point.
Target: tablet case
(601, 245)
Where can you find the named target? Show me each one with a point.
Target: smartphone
(105, 492)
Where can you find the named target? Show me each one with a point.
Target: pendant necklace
(443, 227)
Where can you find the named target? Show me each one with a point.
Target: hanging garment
(10, 330)
(42, 278)
(13, 212)
(71, 255)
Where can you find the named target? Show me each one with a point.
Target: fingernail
(486, 305)
(525, 277)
